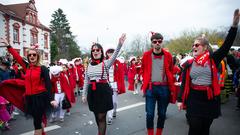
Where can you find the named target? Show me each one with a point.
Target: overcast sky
(105, 20)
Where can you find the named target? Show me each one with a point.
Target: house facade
(20, 25)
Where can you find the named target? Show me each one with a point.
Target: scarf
(95, 62)
(202, 59)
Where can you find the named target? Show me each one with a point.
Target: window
(33, 21)
(45, 56)
(27, 17)
(30, 18)
(25, 52)
(15, 35)
(45, 40)
(33, 36)
(16, 27)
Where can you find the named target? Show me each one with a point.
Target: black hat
(156, 36)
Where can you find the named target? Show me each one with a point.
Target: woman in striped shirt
(200, 91)
(96, 89)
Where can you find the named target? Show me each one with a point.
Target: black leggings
(199, 126)
(101, 122)
(37, 120)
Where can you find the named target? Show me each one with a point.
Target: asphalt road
(130, 120)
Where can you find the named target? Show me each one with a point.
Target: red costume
(125, 68)
(138, 70)
(16, 89)
(131, 76)
(72, 75)
(215, 91)
(177, 72)
(80, 74)
(147, 71)
(31, 95)
(13, 90)
(119, 76)
(65, 86)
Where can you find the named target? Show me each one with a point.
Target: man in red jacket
(158, 82)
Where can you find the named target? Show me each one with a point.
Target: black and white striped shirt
(94, 72)
(201, 75)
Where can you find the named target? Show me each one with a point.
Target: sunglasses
(32, 54)
(196, 45)
(157, 41)
(96, 50)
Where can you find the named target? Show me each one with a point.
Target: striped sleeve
(85, 86)
(110, 62)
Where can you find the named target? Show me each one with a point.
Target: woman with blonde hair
(200, 90)
(37, 94)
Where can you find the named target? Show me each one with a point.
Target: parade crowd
(198, 82)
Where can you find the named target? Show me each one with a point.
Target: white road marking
(56, 126)
(45, 129)
(130, 106)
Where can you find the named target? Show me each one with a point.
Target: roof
(8, 11)
(19, 11)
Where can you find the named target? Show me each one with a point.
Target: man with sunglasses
(158, 83)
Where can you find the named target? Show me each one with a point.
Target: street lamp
(66, 42)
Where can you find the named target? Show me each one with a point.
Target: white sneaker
(68, 113)
(61, 120)
(52, 120)
(109, 122)
(114, 114)
(15, 113)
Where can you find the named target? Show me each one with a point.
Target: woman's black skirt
(198, 105)
(100, 100)
(37, 104)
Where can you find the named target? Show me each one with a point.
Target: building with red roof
(20, 25)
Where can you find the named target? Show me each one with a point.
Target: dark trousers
(238, 101)
(199, 126)
(161, 96)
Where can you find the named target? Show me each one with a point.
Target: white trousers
(59, 112)
(114, 97)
